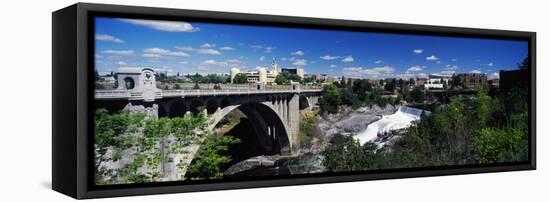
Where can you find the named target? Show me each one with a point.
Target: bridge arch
(177, 109)
(304, 102)
(225, 102)
(195, 105)
(129, 83)
(271, 131)
(212, 105)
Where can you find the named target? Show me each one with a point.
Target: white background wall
(25, 102)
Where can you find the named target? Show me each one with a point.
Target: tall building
(259, 76)
(471, 80)
(296, 71)
(436, 82)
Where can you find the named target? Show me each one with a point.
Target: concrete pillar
(285, 110)
(293, 122)
(279, 107)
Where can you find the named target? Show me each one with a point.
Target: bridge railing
(112, 93)
(211, 86)
(203, 92)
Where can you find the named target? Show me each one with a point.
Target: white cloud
(378, 62)
(368, 73)
(404, 76)
(414, 69)
(292, 58)
(433, 57)
(214, 62)
(227, 48)
(422, 75)
(256, 46)
(120, 63)
(208, 45)
(495, 75)
(233, 61)
(332, 66)
(209, 52)
(298, 52)
(328, 57)
(448, 72)
(98, 56)
(164, 52)
(150, 55)
(490, 64)
(209, 62)
(262, 58)
(267, 49)
(451, 67)
(108, 38)
(185, 48)
(348, 59)
(385, 69)
(284, 59)
(184, 62)
(118, 52)
(475, 71)
(168, 26)
(300, 62)
(418, 51)
(454, 60)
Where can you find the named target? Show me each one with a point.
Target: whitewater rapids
(401, 119)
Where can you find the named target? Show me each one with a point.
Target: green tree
(349, 98)
(361, 87)
(331, 99)
(390, 86)
(417, 95)
(345, 154)
(482, 107)
(240, 78)
(506, 144)
(211, 157)
(281, 80)
(148, 138)
(293, 77)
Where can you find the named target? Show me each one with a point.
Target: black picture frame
(72, 99)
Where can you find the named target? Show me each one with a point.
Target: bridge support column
(293, 121)
(279, 107)
(285, 110)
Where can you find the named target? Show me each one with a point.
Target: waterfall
(401, 119)
(409, 110)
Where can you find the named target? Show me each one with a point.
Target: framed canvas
(156, 100)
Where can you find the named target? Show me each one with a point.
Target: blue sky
(189, 47)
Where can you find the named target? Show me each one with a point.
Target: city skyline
(190, 47)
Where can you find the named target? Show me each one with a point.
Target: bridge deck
(137, 95)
